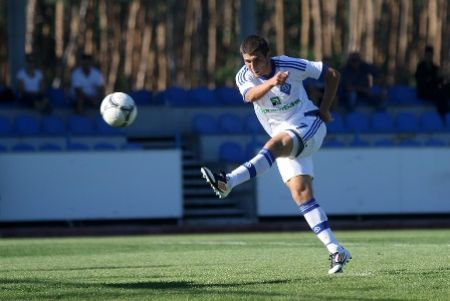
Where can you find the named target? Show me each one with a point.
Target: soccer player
(296, 126)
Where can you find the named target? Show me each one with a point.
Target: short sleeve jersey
(284, 103)
(87, 83)
(31, 83)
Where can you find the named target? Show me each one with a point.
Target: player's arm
(255, 93)
(331, 77)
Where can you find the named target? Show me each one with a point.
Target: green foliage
(386, 265)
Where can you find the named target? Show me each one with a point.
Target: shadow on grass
(86, 268)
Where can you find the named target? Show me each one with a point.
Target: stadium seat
(23, 147)
(383, 143)
(3, 148)
(406, 122)
(231, 152)
(253, 147)
(202, 96)
(175, 96)
(50, 147)
(141, 97)
(57, 97)
(409, 143)
(102, 128)
(229, 96)
(333, 143)
(76, 146)
(204, 124)
(358, 142)
(53, 125)
(252, 125)
(431, 122)
(447, 122)
(132, 146)
(104, 146)
(230, 124)
(357, 122)
(399, 94)
(381, 122)
(5, 126)
(337, 125)
(80, 125)
(26, 125)
(435, 142)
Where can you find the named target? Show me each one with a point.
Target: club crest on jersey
(275, 101)
(286, 88)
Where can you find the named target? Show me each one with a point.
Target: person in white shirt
(274, 85)
(31, 86)
(87, 85)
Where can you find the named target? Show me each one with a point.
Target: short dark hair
(253, 44)
(429, 49)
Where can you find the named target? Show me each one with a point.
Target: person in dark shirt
(430, 84)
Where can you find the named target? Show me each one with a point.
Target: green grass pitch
(386, 265)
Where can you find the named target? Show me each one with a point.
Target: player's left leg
(300, 187)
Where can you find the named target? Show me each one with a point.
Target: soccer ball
(118, 109)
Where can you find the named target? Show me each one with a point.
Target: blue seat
(358, 142)
(409, 143)
(77, 146)
(141, 97)
(333, 143)
(50, 147)
(3, 148)
(231, 152)
(205, 124)
(57, 97)
(357, 122)
(104, 146)
(447, 122)
(431, 122)
(23, 147)
(384, 143)
(132, 146)
(252, 124)
(253, 147)
(80, 125)
(399, 94)
(202, 96)
(337, 125)
(53, 125)
(26, 125)
(175, 96)
(5, 126)
(382, 122)
(435, 142)
(103, 128)
(230, 124)
(229, 96)
(406, 122)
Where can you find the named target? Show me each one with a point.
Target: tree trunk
(370, 28)
(279, 26)
(30, 26)
(212, 42)
(403, 33)
(329, 23)
(130, 35)
(304, 32)
(392, 42)
(187, 42)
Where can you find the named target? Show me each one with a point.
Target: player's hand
(325, 116)
(279, 78)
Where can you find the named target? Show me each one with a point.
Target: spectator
(6, 94)
(316, 87)
(31, 86)
(357, 81)
(430, 83)
(87, 85)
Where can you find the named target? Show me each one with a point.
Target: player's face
(258, 64)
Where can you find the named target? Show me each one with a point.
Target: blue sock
(318, 221)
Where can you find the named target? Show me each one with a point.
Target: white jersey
(87, 83)
(284, 104)
(31, 84)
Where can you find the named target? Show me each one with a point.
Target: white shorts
(312, 131)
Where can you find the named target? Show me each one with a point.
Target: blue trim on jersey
(293, 66)
(251, 169)
(320, 227)
(324, 71)
(268, 155)
(241, 75)
(245, 92)
(313, 129)
(308, 206)
(278, 60)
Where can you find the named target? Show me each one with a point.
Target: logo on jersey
(275, 101)
(286, 88)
